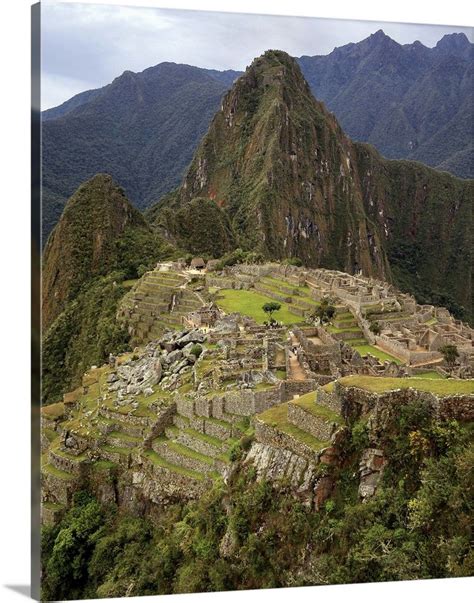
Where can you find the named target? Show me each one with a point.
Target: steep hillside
(409, 101)
(277, 164)
(99, 231)
(142, 128)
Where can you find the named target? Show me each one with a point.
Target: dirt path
(296, 370)
(427, 363)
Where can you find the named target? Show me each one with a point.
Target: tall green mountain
(409, 101)
(99, 231)
(281, 172)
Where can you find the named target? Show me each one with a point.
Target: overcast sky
(86, 46)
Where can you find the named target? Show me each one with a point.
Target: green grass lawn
(441, 387)
(428, 375)
(249, 303)
(378, 353)
(130, 282)
(53, 411)
(329, 387)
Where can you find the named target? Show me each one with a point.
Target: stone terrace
(157, 303)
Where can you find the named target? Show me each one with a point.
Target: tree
(325, 312)
(450, 353)
(269, 308)
(375, 327)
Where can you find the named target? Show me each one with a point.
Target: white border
(14, 324)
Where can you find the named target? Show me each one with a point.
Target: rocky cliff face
(89, 240)
(278, 166)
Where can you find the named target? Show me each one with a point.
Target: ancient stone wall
(329, 399)
(266, 434)
(316, 426)
(356, 402)
(165, 418)
(290, 388)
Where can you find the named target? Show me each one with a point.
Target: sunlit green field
(249, 303)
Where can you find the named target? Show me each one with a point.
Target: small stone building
(198, 264)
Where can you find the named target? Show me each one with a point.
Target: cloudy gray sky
(86, 46)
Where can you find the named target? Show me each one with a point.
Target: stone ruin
(166, 418)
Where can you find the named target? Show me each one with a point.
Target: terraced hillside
(157, 303)
(211, 388)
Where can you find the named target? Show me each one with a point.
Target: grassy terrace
(59, 473)
(184, 450)
(309, 404)
(125, 437)
(52, 506)
(428, 375)
(249, 303)
(50, 434)
(440, 387)
(277, 417)
(103, 465)
(117, 449)
(130, 282)
(159, 461)
(204, 437)
(329, 387)
(297, 292)
(377, 352)
(333, 329)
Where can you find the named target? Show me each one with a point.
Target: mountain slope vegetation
(142, 129)
(416, 527)
(99, 231)
(400, 98)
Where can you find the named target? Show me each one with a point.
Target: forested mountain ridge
(142, 129)
(410, 101)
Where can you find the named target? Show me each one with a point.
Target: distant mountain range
(408, 100)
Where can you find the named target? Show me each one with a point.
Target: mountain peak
(379, 37)
(274, 69)
(84, 242)
(457, 43)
